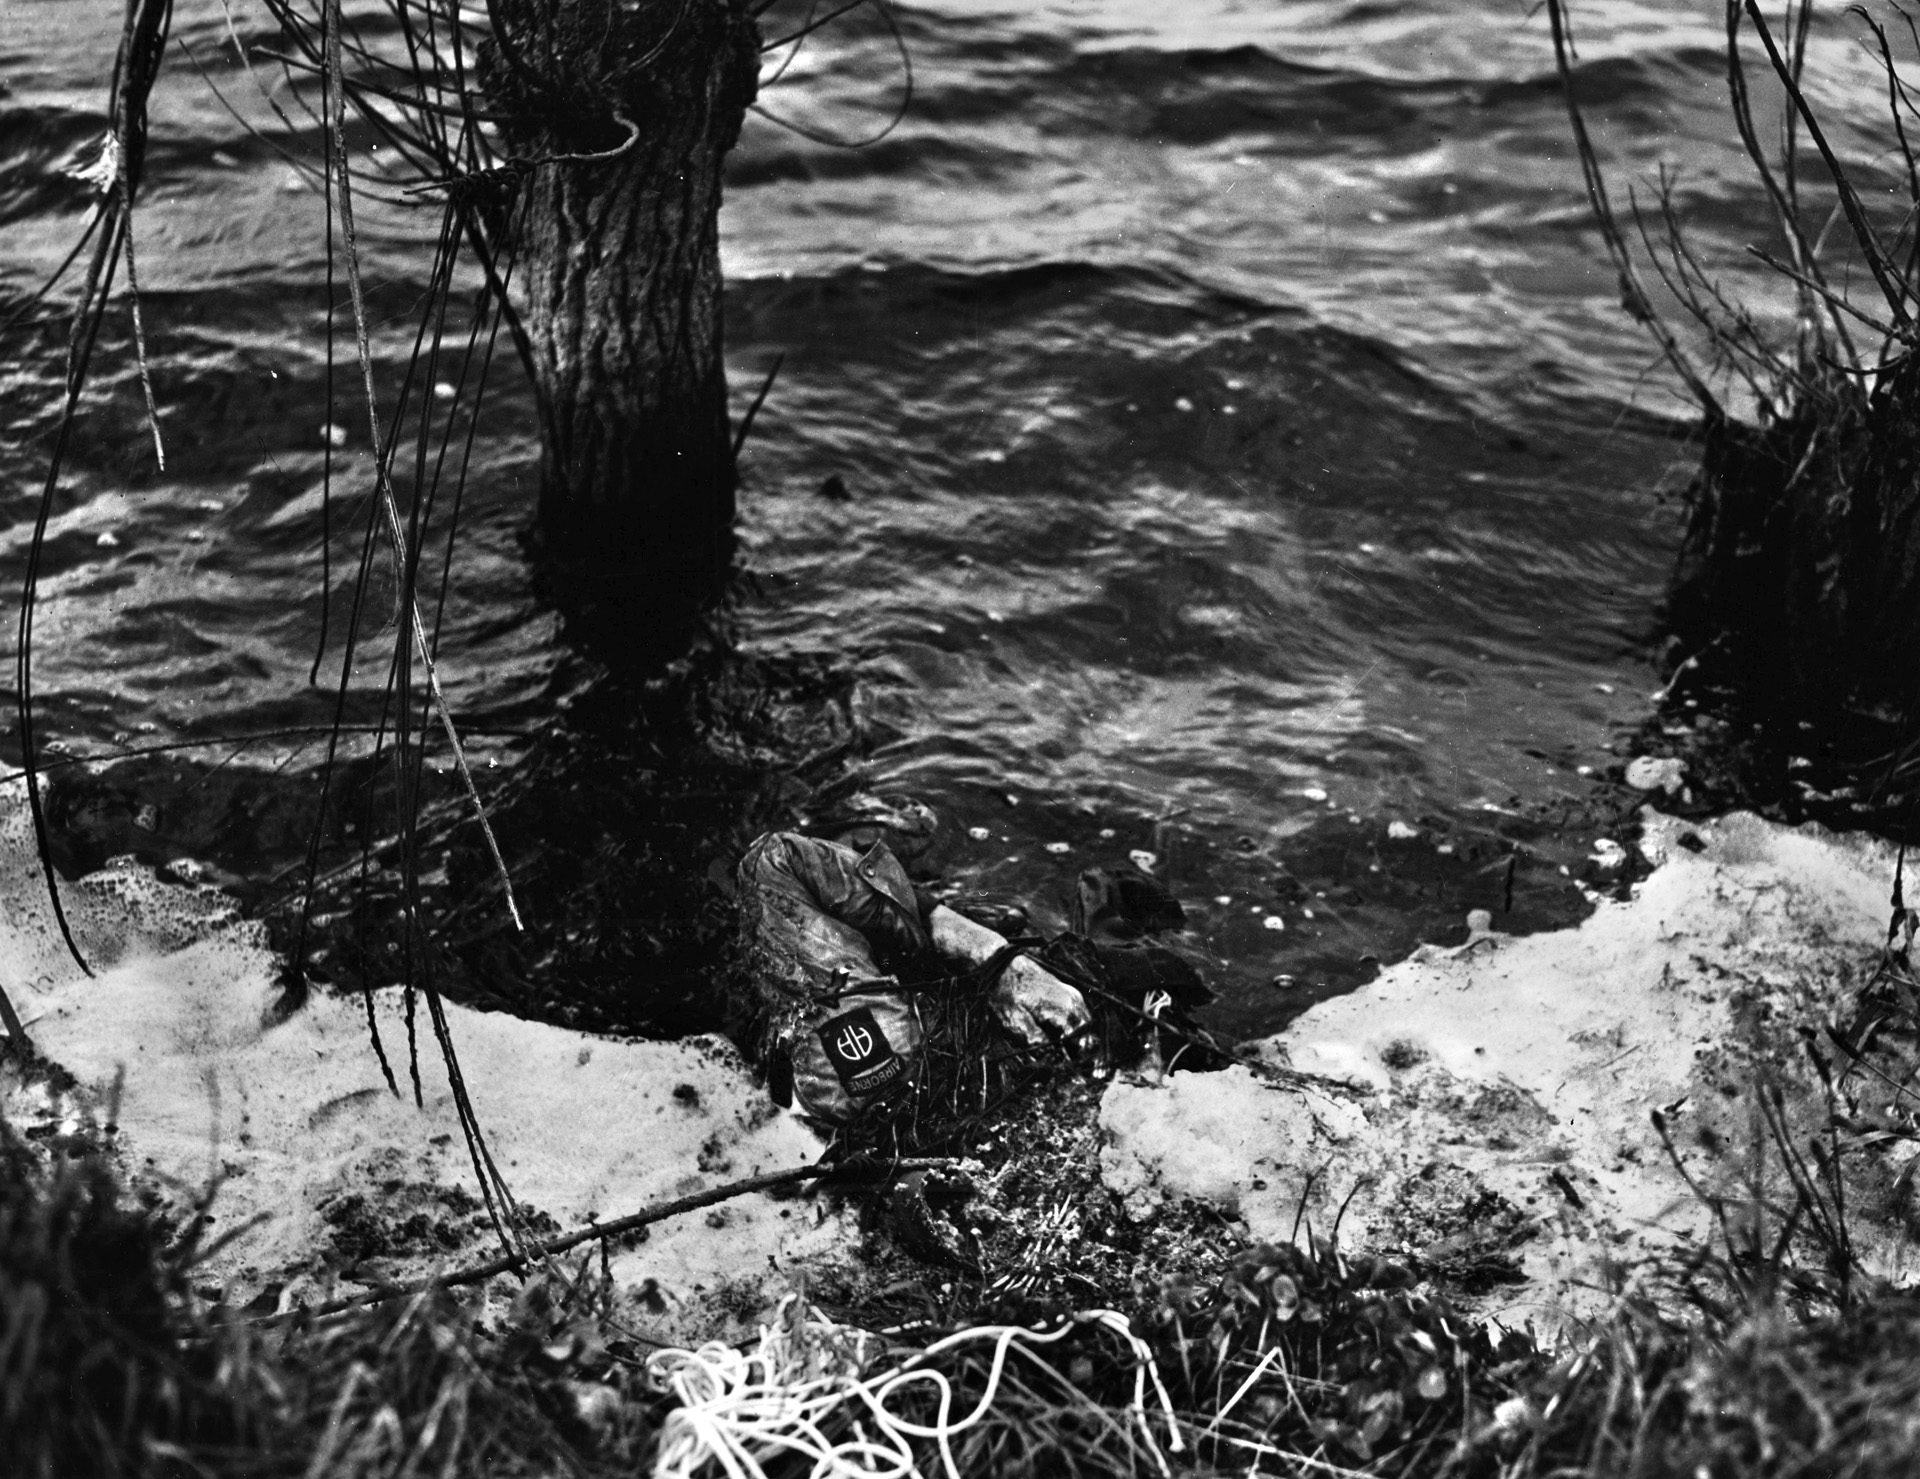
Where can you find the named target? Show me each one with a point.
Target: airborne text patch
(859, 1051)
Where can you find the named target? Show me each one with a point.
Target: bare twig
(1633, 296)
(396, 529)
(1870, 248)
(17, 1039)
(600, 1231)
(1786, 200)
(1833, 299)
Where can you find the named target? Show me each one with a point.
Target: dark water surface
(1244, 447)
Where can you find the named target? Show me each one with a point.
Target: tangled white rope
(807, 1374)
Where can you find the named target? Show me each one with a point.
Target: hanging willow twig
(116, 174)
(1878, 263)
(1633, 294)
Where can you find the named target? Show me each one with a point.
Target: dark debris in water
(621, 828)
(1276, 924)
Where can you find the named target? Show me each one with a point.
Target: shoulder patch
(859, 1051)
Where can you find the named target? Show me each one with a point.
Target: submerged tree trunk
(620, 113)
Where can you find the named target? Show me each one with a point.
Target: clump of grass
(95, 1377)
(423, 1386)
(112, 1365)
(1335, 1358)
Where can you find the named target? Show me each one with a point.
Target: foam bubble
(121, 912)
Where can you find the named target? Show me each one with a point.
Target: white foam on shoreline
(1529, 1067)
(294, 1115)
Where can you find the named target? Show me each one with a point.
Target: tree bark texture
(621, 114)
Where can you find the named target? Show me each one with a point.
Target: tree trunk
(624, 111)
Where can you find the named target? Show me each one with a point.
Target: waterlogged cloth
(818, 918)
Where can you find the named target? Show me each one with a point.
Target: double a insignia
(855, 1043)
(859, 1051)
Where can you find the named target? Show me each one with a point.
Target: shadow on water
(619, 820)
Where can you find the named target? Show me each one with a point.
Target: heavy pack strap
(990, 970)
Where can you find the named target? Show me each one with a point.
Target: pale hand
(1036, 1006)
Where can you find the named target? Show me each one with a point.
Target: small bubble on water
(1145, 861)
(333, 434)
(979, 834)
(1274, 922)
(1059, 847)
(1223, 899)
(1183, 404)
(107, 539)
(444, 389)
(1107, 834)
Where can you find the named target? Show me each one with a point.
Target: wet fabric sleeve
(818, 919)
(814, 913)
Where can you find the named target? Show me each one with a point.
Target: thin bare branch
(1877, 263)
(1786, 200)
(1834, 299)
(1633, 296)
(601, 1231)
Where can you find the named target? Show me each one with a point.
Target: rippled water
(1240, 430)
